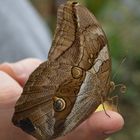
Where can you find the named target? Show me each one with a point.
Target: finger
(20, 70)
(98, 127)
(10, 91)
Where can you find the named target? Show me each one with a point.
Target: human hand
(12, 78)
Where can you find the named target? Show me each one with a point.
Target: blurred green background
(121, 22)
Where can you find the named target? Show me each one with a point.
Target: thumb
(20, 70)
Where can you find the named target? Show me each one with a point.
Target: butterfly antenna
(101, 98)
(123, 60)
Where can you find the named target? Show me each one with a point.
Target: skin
(12, 79)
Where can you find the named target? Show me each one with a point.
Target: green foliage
(95, 5)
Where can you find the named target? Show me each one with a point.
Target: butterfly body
(63, 91)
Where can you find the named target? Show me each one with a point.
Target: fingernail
(109, 132)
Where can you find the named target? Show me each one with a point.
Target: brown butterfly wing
(34, 111)
(93, 57)
(65, 32)
(34, 108)
(92, 37)
(78, 47)
(94, 89)
(78, 37)
(96, 84)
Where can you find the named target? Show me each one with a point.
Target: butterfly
(64, 90)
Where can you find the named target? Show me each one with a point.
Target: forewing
(92, 37)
